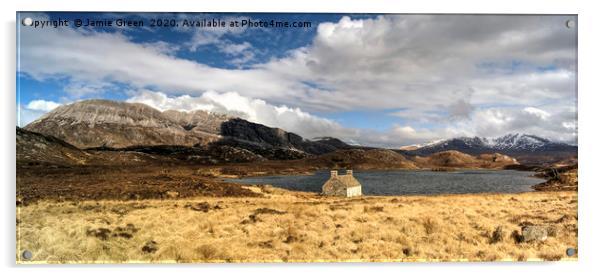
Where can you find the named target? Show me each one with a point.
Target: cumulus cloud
(426, 61)
(42, 105)
(255, 110)
(33, 110)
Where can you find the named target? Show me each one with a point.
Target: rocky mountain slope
(33, 148)
(97, 123)
(111, 124)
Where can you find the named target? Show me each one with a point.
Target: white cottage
(342, 185)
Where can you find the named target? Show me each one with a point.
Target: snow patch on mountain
(513, 141)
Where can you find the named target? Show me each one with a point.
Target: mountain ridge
(526, 148)
(511, 141)
(110, 124)
(113, 124)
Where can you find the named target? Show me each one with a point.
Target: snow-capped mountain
(511, 144)
(517, 141)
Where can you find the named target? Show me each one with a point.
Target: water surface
(402, 182)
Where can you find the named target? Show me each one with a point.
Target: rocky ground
(559, 179)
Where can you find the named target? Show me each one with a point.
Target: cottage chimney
(334, 173)
(349, 172)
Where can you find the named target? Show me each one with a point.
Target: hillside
(34, 148)
(363, 160)
(456, 159)
(96, 123)
(110, 124)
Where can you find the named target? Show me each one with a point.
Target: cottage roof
(347, 181)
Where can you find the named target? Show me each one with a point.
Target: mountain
(111, 124)
(456, 159)
(199, 122)
(509, 143)
(255, 137)
(33, 148)
(362, 159)
(337, 143)
(103, 123)
(526, 148)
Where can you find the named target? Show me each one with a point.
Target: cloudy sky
(382, 80)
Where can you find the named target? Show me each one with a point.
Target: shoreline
(133, 183)
(532, 187)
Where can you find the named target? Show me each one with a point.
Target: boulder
(534, 233)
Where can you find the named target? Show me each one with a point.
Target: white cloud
(537, 112)
(42, 105)
(235, 49)
(207, 36)
(242, 53)
(426, 62)
(255, 110)
(34, 110)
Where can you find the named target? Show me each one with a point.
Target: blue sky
(385, 80)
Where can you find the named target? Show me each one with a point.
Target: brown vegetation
(456, 159)
(284, 226)
(559, 179)
(126, 182)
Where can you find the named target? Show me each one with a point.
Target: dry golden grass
(298, 227)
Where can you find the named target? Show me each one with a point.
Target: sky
(378, 80)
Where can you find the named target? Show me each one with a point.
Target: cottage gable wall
(342, 185)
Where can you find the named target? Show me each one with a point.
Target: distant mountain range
(526, 148)
(132, 127)
(36, 149)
